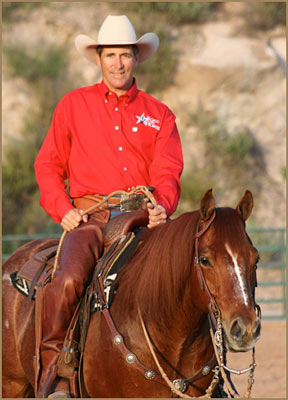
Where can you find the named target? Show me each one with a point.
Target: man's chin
(121, 83)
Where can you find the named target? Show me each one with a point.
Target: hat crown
(116, 28)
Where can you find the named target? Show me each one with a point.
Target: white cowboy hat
(117, 30)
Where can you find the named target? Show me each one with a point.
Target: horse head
(226, 262)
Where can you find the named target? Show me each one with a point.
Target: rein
(134, 190)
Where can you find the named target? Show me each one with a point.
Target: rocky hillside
(221, 69)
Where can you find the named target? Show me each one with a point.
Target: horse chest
(107, 372)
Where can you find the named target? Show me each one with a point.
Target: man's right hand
(72, 219)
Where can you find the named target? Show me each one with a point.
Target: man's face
(117, 65)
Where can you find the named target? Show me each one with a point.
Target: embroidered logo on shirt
(148, 121)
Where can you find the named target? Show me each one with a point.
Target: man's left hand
(157, 215)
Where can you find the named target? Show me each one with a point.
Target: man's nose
(118, 62)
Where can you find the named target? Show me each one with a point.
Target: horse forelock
(229, 228)
(154, 279)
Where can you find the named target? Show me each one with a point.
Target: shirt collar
(130, 94)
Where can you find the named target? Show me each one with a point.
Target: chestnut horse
(161, 281)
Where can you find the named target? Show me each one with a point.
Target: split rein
(216, 338)
(134, 190)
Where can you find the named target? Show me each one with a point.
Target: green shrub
(10, 9)
(157, 73)
(44, 72)
(239, 145)
(233, 162)
(173, 12)
(265, 15)
(193, 185)
(44, 62)
(236, 146)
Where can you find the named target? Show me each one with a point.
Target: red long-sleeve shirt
(102, 143)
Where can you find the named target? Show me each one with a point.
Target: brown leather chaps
(80, 250)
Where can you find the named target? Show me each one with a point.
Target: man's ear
(137, 60)
(98, 60)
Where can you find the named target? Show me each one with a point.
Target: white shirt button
(125, 169)
(120, 148)
(116, 127)
(106, 101)
(116, 108)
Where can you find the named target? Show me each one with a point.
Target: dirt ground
(270, 373)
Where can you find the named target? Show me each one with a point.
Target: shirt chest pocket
(144, 136)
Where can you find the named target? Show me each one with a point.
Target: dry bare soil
(270, 373)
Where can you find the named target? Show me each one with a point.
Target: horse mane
(155, 278)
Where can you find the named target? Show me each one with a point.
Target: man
(102, 138)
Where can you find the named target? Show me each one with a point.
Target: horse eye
(205, 262)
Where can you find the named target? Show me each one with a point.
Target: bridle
(212, 306)
(214, 317)
(216, 333)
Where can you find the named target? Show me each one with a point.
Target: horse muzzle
(242, 334)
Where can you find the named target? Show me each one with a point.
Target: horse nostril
(257, 329)
(237, 329)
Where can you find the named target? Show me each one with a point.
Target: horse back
(18, 334)
(15, 261)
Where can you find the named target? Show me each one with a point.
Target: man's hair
(135, 50)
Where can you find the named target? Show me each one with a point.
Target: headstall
(216, 328)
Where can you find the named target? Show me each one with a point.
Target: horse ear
(245, 205)
(207, 205)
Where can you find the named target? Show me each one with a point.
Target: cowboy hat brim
(147, 46)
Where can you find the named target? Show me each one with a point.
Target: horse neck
(160, 280)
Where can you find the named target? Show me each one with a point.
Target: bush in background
(265, 15)
(173, 12)
(10, 9)
(45, 70)
(233, 160)
(157, 73)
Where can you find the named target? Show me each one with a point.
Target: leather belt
(124, 203)
(89, 200)
(112, 201)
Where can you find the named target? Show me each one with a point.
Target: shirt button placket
(119, 137)
(117, 119)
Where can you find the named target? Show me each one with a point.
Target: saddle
(37, 270)
(120, 243)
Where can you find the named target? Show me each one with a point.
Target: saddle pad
(108, 268)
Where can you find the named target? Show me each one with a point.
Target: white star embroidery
(141, 119)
